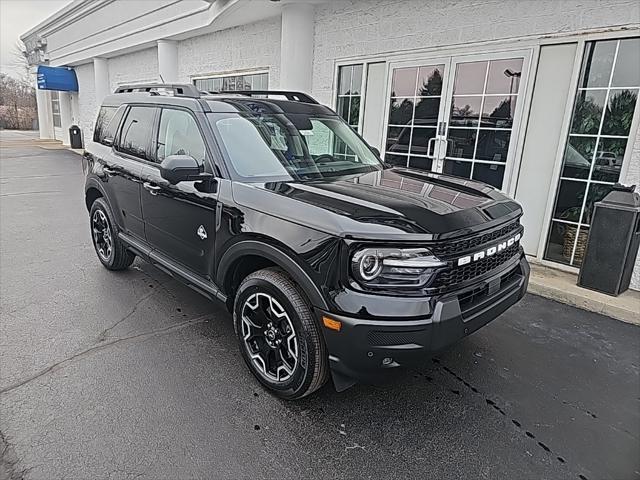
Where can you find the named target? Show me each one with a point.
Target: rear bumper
(364, 350)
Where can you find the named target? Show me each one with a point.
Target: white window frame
(581, 40)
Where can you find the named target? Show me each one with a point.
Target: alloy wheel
(102, 235)
(269, 337)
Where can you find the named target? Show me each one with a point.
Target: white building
(511, 92)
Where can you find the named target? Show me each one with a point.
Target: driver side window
(179, 135)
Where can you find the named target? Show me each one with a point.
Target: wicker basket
(569, 239)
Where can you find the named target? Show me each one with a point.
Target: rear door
(180, 220)
(123, 167)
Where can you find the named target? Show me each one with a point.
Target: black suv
(331, 261)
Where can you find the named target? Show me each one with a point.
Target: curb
(561, 287)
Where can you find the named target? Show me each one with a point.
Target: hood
(391, 203)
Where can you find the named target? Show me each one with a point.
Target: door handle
(432, 139)
(152, 189)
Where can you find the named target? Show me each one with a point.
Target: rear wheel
(111, 251)
(278, 335)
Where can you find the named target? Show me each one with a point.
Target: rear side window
(179, 135)
(107, 124)
(136, 130)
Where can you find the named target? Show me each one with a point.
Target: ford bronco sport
(332, 262)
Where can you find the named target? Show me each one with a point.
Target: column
(168, 61)
(65, 116)
(101, 76)
(45, 114)
(296, 47)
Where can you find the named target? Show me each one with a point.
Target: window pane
(504, 76)
(627, 70)
(104, 117)
(356, 81)
(397, 160)
(493, 145)
(401, 111)
(458, 168)
(427, 110)
(497, 112)
(597, 63)
(344, 80)
(465, 111)
(420, 140)
(469, 78)
(461, 142)
(597, 191)
(488, 173)
(430, 80)
(136, 132)
(578, 157)
(569, 200)
(561, 241)
(619, 114)
(343, 107)
(354, 109)
(420, 163)
(609, 159)
(179, 135)
(398, 139)
(404, 82)
(588, 111)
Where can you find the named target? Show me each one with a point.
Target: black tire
(114, 256)
(310, 370)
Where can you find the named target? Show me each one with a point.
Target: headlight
(394, 267)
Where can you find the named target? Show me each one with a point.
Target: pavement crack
(105, 333)
(101, 346)
(492, 403)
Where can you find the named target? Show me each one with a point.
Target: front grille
(447, 249)
(457, 275)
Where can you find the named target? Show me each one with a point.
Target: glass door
(415, 111)
(456, 115)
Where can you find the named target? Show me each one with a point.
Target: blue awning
(57, 78)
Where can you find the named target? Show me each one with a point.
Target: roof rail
(177, 89)
(289, 95)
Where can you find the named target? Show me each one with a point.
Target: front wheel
(279, 337)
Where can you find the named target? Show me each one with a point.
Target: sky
(16, 17)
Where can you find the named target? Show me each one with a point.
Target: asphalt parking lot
(131, 375)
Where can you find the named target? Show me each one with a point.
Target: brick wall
(633, 178)
(252, 46)
(136, 67)
(364, 27)
(86, 99)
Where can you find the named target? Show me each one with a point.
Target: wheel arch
(265, 255)
(92, 193)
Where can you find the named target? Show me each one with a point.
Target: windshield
(291, 147)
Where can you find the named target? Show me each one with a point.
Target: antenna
(161, 79)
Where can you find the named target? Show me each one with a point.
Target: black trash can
(75, 136)
(612, 246)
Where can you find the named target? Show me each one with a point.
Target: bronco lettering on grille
(474, 257)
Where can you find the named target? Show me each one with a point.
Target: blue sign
(57, 78)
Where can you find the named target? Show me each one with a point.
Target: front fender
(277, 256)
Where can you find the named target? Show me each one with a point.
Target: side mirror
(180, 168)
(376, 151)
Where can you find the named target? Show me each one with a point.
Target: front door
(179, 220)
(457, 115)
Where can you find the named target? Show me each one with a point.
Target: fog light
(387, 361)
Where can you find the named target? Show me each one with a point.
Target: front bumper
(363, 350)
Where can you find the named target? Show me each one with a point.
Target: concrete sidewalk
(561, 286)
